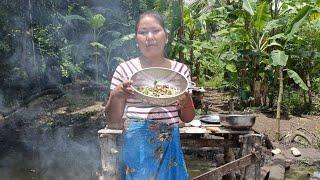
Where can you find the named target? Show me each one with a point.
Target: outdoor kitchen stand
(249, 142)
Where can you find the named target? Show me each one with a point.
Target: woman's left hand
(187, 111)
(185, 100)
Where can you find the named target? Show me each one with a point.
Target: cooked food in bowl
(159, 91)
(158, 86)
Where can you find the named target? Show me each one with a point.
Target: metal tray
(210, 119)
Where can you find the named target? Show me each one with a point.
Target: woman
(151, 142)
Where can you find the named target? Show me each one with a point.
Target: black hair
(154, 14)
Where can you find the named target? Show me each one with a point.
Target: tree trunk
(256, 92)
(265, 92)
(192, 59)
(256, 83)
(309, 87)
(279, 102)
(197, 70)
(181, 32)
(34, 65)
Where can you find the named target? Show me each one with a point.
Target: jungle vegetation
(267, 52)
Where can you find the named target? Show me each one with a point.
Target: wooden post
(110, 142)
(251, 144)
(228, 157)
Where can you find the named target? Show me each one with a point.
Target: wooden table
(197, 137)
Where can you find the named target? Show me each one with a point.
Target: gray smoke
(1, 100)
(29, 149)
(54, 154)
(62, 157)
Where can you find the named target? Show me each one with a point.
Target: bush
(315, 106)
(293, 103)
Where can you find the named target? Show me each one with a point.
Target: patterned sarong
(152, 150)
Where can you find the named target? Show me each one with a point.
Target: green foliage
(315, 109)
(249, 6)
(293, 103)
(97, 21)
(98, 45)
(261, 17)
(296, 78)
(227, 44)
(279, 58)
(68, 68)
(298, 21)
(215, 82)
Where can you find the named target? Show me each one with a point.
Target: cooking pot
(236, 121)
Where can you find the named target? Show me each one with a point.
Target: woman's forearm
(187, 112)
(114, 110)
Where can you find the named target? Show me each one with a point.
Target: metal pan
(210, 119)
(235, 121)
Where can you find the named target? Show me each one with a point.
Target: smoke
(56, 47)
(1, 101)
(62, 157)
(52, 154)
(30, 149)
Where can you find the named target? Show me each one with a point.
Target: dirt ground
(309, 125)
(306, 127)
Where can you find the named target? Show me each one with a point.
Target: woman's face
(151, 37)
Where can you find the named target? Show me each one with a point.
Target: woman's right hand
(123, 91)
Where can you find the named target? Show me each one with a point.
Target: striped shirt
(135, 108)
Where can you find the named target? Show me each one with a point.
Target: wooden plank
(183, 131)
(197, 143)
(227, 168)
(109, 131)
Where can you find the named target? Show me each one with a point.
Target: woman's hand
(187, 111)
(185, 100)
(123, 91)
(116, 104)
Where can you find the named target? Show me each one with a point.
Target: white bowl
(157, 75)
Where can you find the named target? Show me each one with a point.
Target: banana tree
(305, 50)
(96, 22)
(249, 34)
(197, 42)
(259, 29)
(280, 58)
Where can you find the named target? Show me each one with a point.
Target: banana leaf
(297, 79)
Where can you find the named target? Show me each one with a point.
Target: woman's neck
(153, 62)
